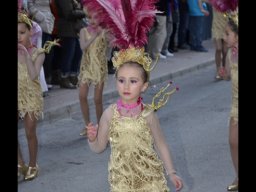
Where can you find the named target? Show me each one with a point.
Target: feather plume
(224, 5)
(128, 20)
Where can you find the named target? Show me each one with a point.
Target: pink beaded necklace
(129, 107)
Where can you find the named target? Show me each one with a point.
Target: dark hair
(233, 26)
(145, 75)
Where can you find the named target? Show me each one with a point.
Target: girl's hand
(92, 132)
(22, 53)
(97, 32)
(22, 48)
(177, 181)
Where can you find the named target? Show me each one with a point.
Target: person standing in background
(70, 22)
(197, 12)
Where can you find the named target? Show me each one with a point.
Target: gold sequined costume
(30, 98)
(234, 80)
(219, 23)
(134, 165)
(93, 68)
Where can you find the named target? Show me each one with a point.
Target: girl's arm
(33, 67)
(85, 39)
(163, 150)
(98, 136)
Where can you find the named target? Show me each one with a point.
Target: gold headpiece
(165, 96)
(23, 18)
(132, 54)
(233, 15)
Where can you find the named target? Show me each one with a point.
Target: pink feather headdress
(224, 5)
(128, 21)
(228, 7)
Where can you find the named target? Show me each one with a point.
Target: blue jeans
(196, 26)
(71, 54)
(183, 29)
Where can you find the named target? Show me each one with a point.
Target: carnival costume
(30, 99)
(233, 62)
(134, 166)
(93, 68)
(230, 10)
(219, 23)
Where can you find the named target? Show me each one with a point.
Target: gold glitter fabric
(234, 81)
(93, 68)
(219, 23)
(30, 98)
(134, 165)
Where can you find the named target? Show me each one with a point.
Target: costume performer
(132, 127)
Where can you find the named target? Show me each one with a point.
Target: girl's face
(24, 34)
(130, 83)
(230, 37)
(90, 19)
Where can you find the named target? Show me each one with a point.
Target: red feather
(127, 20)
(224, 5)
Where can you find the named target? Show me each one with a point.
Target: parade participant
(139, 152)
(230, 9)
(218, 29)
(231, 38)
(93, 68)
(30, 100)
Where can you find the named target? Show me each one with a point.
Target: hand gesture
(177, 181)
(22, 53)
(92, 131)
(22, 49)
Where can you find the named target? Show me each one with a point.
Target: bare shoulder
(109, 111)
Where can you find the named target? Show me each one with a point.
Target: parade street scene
(127, 96)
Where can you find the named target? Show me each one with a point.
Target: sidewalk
(61, 103)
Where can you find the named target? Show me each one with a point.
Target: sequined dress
(93, 68)
(134, 165)
(234, 81)
(219, 23)
(30, 99)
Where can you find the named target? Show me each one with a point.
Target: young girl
(133, 130)
(93, 69)
(231, 38)
(218, 29)
(131, 127)
(30, 101)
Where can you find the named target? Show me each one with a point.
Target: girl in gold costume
(133, 130)
(139, 152)
(231, 38)
(30, 100)
(219, 23)
(93, 68)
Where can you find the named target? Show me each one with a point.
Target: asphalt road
(195, 123)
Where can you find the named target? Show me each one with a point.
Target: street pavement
(61, 103)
